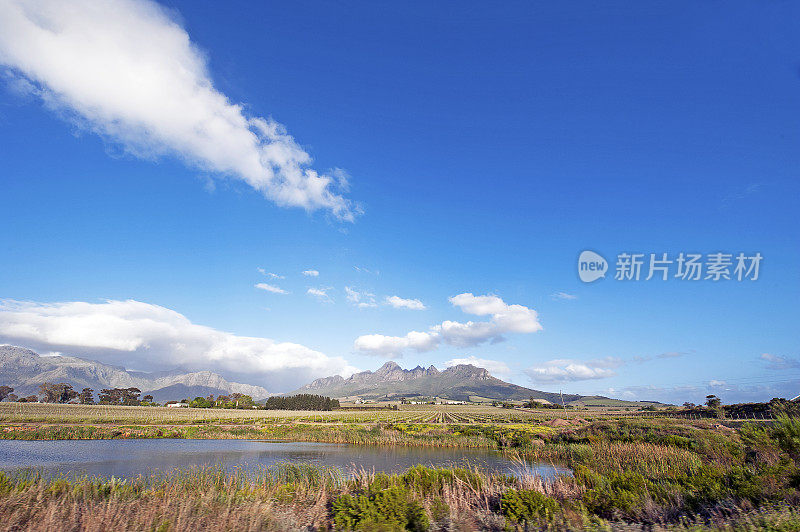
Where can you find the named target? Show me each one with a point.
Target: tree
(57, 393)
(201, 402)
(86, 397)
(147, 399)
(12, 397)
(712, 401)
(130, 396)
(5, 391)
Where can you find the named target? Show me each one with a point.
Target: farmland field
(65, 413)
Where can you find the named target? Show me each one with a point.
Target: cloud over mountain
(505, 319)
(149, 337)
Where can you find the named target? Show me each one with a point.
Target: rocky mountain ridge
(25, 370)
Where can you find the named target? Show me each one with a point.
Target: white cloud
(567, 370)
(399, 302)
(359, 298)
(321, 294)
(157, 338)
(778, 362)
(311, 273)
(563, 296)
(271, 275)
(271, 288)
(393, 346)
(127, 70)
(716, 383)
(495, 367)
(505, 319)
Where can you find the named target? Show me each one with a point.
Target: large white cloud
(505, 319)
(150, 337)
(128, 71)
(567, 370)
(391, 346)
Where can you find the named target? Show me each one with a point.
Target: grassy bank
(651, 473)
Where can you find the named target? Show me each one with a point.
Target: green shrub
(528, 506)
(787, 434)
(388, 510)
(425, 480)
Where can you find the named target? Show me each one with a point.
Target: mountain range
(461, 383)
(25, 370)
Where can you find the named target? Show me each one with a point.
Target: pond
(129, 458)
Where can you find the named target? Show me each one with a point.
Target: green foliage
(529, 507)
(303, 401)
(787, 434)
(387, 510)
(425, 480)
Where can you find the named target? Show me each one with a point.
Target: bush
(528, 506)
(388, 510)
(787, 433)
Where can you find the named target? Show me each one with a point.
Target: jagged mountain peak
(391, 381)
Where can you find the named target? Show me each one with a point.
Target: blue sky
(484, 148)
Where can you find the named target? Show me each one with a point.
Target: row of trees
(64, 393)
(234, 400)
(303, 401)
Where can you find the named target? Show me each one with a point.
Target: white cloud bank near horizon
(126, 70)
(505, 319)
(569, 370)
(148, 337)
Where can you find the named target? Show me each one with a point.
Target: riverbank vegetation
(628, 474)
(660, 472)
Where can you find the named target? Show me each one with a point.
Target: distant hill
(25, 370)
(458, 383)
(176, 392)
(601, 401)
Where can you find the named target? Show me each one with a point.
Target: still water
(129, 458)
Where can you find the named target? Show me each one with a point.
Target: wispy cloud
(320, 294)
(128, 71)
(777, 362)
(563, 296)
(361, 299)
(365, 270)
(311, 273)
(505, 319)
(271, 275)
(157, 338)
(271, 288)
(399, 302)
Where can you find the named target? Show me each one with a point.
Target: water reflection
(129, 458)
